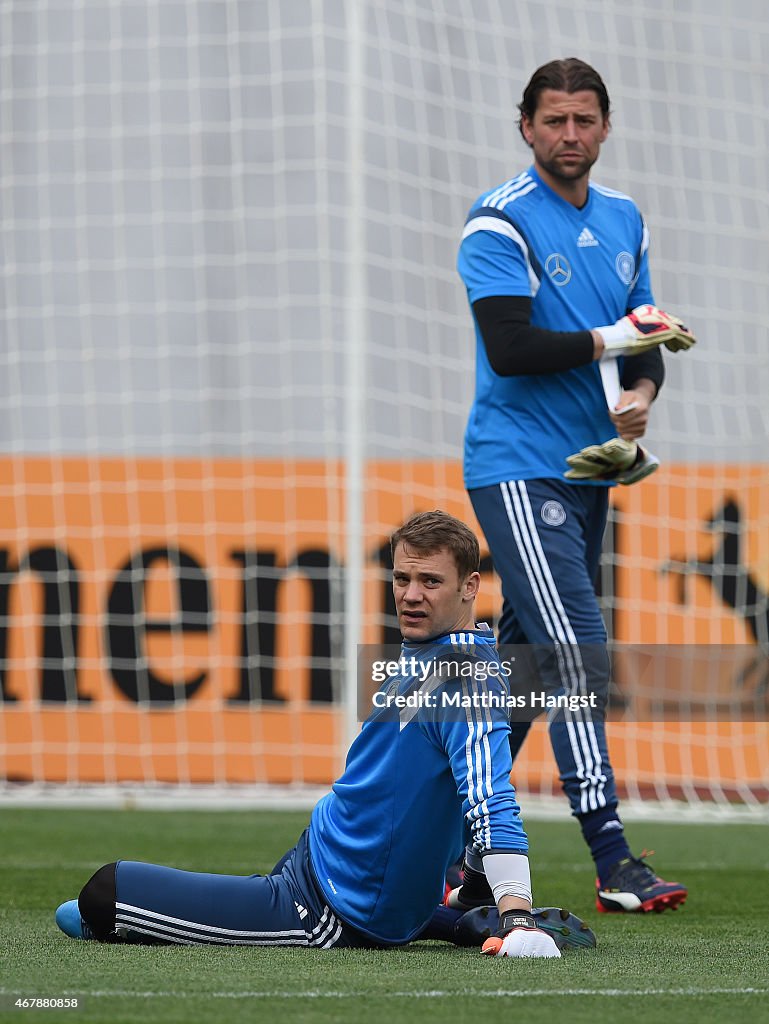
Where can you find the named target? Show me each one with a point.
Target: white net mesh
(193, 197)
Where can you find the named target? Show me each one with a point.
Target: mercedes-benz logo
(558, 269)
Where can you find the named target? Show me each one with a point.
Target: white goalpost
(236, 355)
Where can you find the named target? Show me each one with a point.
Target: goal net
(236, 355)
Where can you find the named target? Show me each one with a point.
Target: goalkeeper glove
(519, 936)
(644, 328)
(617, 460)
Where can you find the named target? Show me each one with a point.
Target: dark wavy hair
(428, 532)
(568, 75)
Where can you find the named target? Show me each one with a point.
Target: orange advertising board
(180, 620)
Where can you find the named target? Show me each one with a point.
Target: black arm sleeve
(649, 365)
(515, 348)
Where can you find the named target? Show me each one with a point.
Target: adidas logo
(586, 237)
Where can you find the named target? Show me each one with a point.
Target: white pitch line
(427, 994)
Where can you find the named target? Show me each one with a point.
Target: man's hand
(519, 936)
(630, 415)
(619, 461)
(644, 328)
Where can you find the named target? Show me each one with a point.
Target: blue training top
(418, 784)
(582, 268)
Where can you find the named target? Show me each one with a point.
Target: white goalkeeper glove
(519, 936)
(644, 328)
(617, 460)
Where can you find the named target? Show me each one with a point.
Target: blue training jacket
(419, 784)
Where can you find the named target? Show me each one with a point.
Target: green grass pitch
(707, 962)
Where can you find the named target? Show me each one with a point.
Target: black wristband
(515, 919)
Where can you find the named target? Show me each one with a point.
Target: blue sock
(605, 836)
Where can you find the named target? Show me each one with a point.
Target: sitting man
(419, 783)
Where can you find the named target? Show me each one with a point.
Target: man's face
(430, 598)
(566, 133)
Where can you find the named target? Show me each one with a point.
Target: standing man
(547, 257)
(419, 783)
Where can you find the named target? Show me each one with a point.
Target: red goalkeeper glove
(644, 328)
